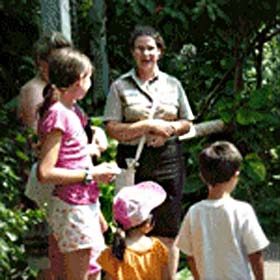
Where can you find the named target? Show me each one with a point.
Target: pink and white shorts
(77, 227)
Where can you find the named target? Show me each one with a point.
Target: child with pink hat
(133, 255)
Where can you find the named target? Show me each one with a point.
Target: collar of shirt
(144, 86)
(133, 75)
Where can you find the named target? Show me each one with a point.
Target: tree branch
(209, 100)
(203, 129)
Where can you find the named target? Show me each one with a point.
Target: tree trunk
(56, 16)
(238, 75)
(74, 22)
(98, 43)
(204, 128)
(259, 58)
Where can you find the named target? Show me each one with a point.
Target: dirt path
(272, 262)
(272, 270)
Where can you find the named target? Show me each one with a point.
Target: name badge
(131, 92)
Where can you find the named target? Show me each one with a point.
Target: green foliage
(14, 158)
(211, 48)
(107, 190)
(19, 29)
(15, 221)
(14, 224)
(183, 274)
(255, 168)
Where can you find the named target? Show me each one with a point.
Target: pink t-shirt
(73, 152)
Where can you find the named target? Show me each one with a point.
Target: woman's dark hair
(49, 42)
(118, 245)
(219, 162)
(65, 67)
(146, 31)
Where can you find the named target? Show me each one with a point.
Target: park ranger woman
(128, 106)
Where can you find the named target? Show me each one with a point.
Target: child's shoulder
(231, 203)
(160, 249)
(241, 205)
(61, 111)
(158, 245)
(56, 111)
(157, 242)
(105, 254)
(242, 209)
(33, 84)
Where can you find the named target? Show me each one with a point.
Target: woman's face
(146, 53)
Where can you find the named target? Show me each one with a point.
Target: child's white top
(220, 234)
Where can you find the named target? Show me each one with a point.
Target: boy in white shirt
(221, 236)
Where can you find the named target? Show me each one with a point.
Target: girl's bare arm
(49, 173)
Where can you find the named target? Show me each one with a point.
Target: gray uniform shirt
(130, 99)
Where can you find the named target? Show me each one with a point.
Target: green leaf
(211, 12)
(246, 116)
(226, 116)
(149, 5)
(183, 274)
(255, 167)
(11, 236)
(259, 99)
(22, 155)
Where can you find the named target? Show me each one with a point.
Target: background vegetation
(225, 52)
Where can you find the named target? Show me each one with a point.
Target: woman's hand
(99, 138)
(105, 172)
(161, 128)
(103, 223)
(99, 142)
(160, 131)
(93, 150)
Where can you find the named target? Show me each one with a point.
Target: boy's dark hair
(146, 31)
(219, 162)
(49, 42)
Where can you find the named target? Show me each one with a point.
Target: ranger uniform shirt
(130, 99)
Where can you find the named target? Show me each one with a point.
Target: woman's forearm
(127, 131)
(181, 126)
(130, 131)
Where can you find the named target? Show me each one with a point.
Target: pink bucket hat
(133, 204)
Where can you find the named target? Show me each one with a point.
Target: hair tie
(120, 232)
(47, 92)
